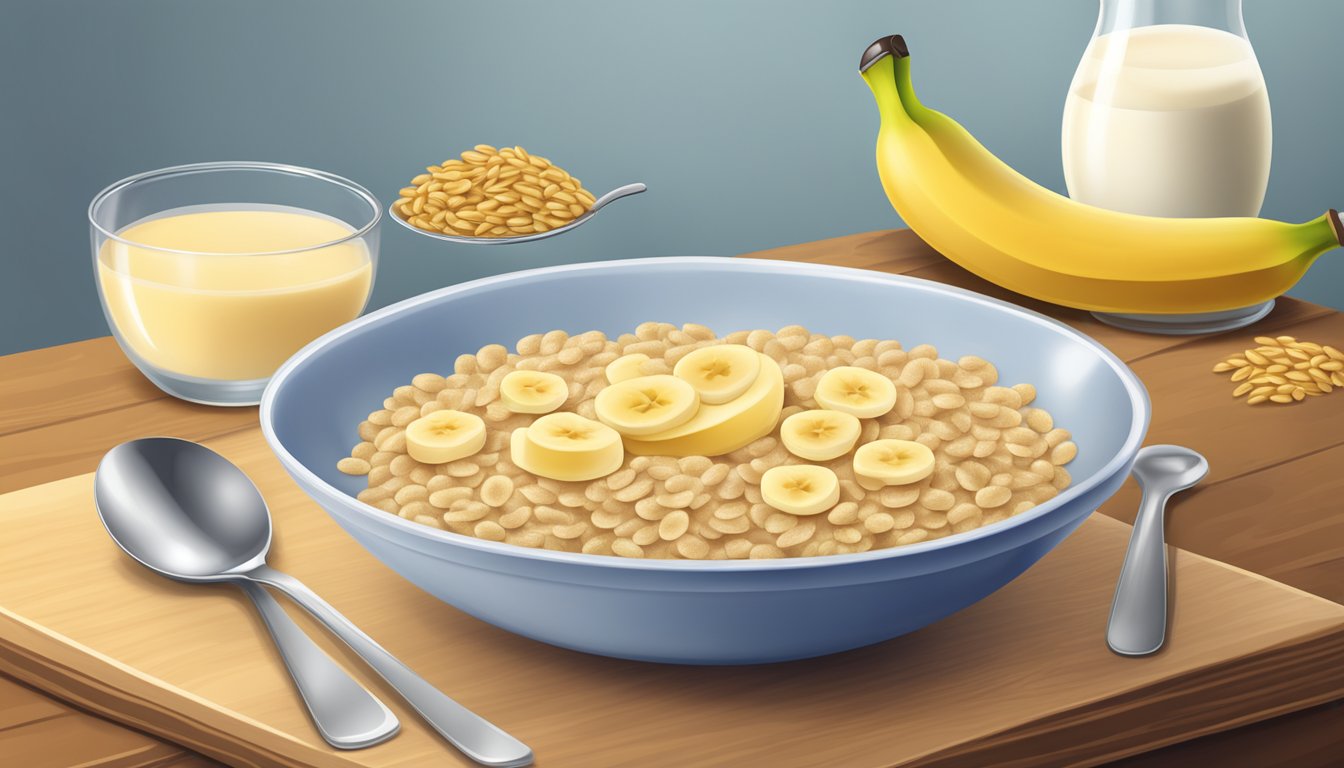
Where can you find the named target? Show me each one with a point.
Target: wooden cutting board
(1022, 678)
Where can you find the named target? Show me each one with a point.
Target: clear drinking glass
(1168, 115)
(212, 275)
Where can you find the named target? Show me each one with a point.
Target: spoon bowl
(598, 204)
(1173, 467)
(181, 509)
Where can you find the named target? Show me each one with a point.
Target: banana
(625, 367)
(718, 429)
(566, 446)
(532, 391)
(856, 391)
(979, 212)
(800, 489)
(719, 373)
(646, 404)
(892, 462)
(444, 436)
(820, 435)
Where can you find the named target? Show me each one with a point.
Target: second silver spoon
(1138, 624)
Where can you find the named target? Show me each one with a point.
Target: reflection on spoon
(185, 511)
(598, 204)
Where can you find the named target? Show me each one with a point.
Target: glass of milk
(1168, 115)
(212, 275)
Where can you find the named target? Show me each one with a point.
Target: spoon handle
(347, 716)
(616, 194)
(475, 736)
(1138, 624)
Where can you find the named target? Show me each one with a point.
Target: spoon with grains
(491, 196)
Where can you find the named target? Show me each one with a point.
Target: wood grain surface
(61, 408)
(192, 663)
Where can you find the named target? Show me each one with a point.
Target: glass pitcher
(1168, 115)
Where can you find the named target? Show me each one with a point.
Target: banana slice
(719, 373)
(800, 489)
(719, 429)
(566, 446)
(646, 405)
(625, 367)
(820, 435)
(858, 391)
(444, 436)
(533, 391)
(892, 462)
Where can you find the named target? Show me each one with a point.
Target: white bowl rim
(1138, 396)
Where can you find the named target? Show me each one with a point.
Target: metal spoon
(1138, 624)
(346, 715)
(188, 513)
(598, 204)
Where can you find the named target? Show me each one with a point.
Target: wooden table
(1266, 506)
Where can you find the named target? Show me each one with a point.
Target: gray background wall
(747, 119)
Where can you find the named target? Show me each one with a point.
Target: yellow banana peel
(980, 213)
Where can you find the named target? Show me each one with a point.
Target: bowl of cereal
(706, 460)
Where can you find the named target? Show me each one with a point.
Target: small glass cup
(211, 275)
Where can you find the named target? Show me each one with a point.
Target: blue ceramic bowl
(703, 612)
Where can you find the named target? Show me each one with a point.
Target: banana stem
(1320, 235)
(905, 89)
(880, 80)
(885, 66)
(882, 47)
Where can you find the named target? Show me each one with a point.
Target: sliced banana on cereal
(892, 462)
(719, 373)
(820, 435)
(856, 391)
(800, 489)
(444, 436)
(646, 405)
(719, 429)
(625, 367)
(533, 391)
(566, 446)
